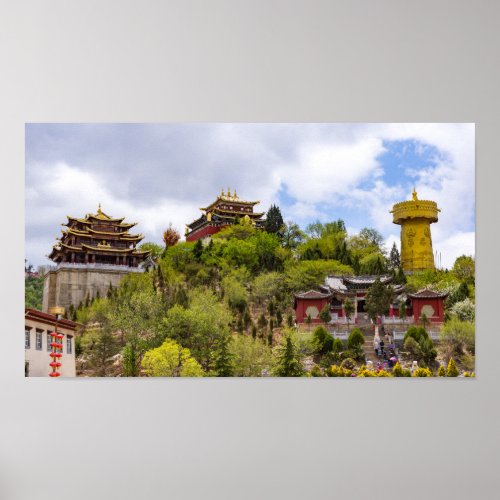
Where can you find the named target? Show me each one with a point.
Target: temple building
(337, 289)
(93, 253)
(223, 212)
(415, 218)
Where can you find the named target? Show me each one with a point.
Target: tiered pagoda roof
(98, 239)
(224, 211)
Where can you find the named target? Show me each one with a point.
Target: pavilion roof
(428, 294)
(312, 294)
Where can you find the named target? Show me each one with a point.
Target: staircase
(368, 346)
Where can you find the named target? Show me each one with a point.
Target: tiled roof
(312, 294)
(427, 294)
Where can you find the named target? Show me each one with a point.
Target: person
(414, 367)
(381, 345)
(376, 345)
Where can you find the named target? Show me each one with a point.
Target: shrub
(321, 341)
(422, 372)
(382, 373)
(348, 363)
(316, 371)
(441, 371)
(338, 371)
(338, 346)
(411, 345)
(397, 371)
(417, 333)
(356, 339)
(452, 370)
(364, 372)
(464, 310)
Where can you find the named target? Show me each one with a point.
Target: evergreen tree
(247, 320)
(271, 307)
(394, 258)
(378, 299)
(289, 320)
(402, 310)
(279, 317)
(270, 338)
(254, 331)
(400, 277)
(452, 370)
(198, 250)
(324, 314)
(274, 220)
(223, 364)
(348, 310)
(287, 359)
(262, 321)
(110, 291)
(100, 356)
(356, 265)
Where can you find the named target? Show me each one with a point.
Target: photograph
(250, 250)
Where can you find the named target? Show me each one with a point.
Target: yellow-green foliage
(452, 370)
(422, 372)
(338, 371)
(171, 360)
(397, 370)
(442, 371)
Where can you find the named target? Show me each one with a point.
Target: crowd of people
(385, 350)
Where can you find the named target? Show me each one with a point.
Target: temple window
(69, 346)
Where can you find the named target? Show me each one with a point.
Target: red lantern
(54, 374)
(54, 334)
(60, 336)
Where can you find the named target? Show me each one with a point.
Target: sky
(154, 174)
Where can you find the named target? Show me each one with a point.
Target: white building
(37, 339)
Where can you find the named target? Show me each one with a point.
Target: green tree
(200, 326)
(321, 341)
(154, 250)
(308, 321)
(279, 317)
(464, 268)
(324, 314)
(223, 365)
(287, 360)
(274, 220)
(348, 310)
(171, 360)
(355, 340)
(402, 310)
(100, 355)
(250, 356)
(394, 258)
(378, 299)
(198, 250)
(400, 278)
(291, 235)
(452, 370)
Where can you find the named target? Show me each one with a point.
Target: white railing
(109, 267)
(339, 335)
(394, 320)
(400, 335)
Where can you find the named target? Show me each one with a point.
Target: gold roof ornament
(414, 194)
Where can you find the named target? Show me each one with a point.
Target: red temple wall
(303, 304)
(437, 304)
(204, 232)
